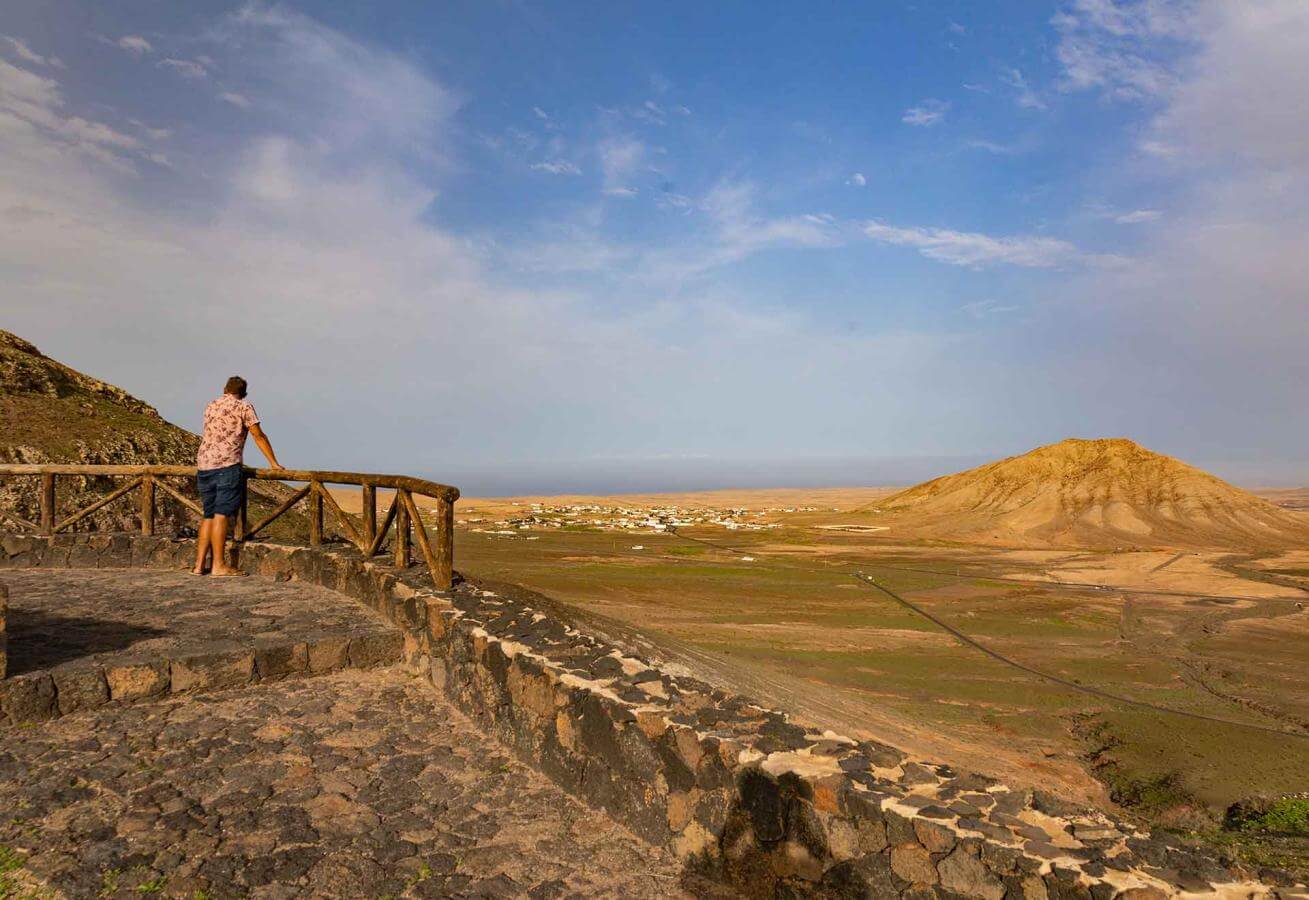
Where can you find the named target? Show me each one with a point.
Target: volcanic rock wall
(737, 790)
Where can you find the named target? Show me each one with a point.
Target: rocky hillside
(1100, 493)
(52, 413)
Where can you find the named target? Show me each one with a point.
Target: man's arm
(261, 441)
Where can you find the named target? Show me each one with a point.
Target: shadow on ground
(39, 639)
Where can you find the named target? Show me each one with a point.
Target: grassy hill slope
(50, 412)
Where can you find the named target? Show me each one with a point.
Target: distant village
(625, 518)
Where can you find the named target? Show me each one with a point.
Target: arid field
(771, 604)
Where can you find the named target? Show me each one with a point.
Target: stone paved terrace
(79, 638)
(354, 784)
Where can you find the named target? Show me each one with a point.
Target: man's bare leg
(218, 538)
(202, 546)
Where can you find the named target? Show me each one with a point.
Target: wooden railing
(402, 516)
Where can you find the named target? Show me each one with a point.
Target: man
(219, 474)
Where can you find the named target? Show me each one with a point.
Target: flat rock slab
(81, 638)
(355, 784)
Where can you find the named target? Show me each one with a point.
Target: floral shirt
(227, 420)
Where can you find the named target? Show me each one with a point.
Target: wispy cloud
(1159, 149)
(232, 97)
(1138, 216)
(621, 157)
(1115, 46)
(557, 167)
(1226, 278)
(983, 309)
(1024, 94)
(929, 112)
(996, 147)
(857, 180)
(37, 102)
(650, 112)
(135, 44)
(27, 54)
(187, 68)
(965, 248)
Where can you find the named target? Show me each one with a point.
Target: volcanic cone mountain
(1096, 493)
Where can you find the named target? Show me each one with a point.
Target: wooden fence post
(315, 515)
(47, 503)
(368, 512)
(401, 531)
(445, 544)
(148, 505)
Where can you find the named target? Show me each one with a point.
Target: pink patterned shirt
(227, 421)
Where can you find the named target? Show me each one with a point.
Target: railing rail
(403, 518)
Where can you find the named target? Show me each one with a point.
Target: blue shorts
(221, 490)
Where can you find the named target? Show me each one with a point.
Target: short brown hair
(235, 385)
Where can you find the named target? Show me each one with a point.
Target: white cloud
(982, 309)
(963, 248)
(995, 147)
(187, 68)
(568, 250)
(1226, 279)
(857, 180)
(1024, 94)
(1120, 48)
(1138, 216)
(621, 157)
(650, 111)
(557, 167)
(737, 231)
(157, 134)
(1240, 101)
(674, 200)
(232, 97)
(135, 44)
(1158, 149)
(956, 28)
(27, 54)
(929, 112)
(32, 115)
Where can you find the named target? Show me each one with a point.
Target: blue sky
(644, 244)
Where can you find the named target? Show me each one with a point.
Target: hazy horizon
(606, 477)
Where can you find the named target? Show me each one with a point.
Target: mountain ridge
(1097, 492)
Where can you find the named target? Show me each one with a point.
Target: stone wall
(736, 789)
(4, 612)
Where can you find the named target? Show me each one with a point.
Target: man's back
(227, 421)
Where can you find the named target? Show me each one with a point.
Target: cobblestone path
(357, 784)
